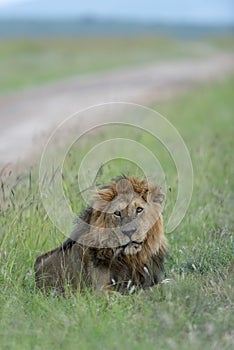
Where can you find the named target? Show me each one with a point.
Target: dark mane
(85, 216)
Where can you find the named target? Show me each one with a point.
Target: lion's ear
(155, 195)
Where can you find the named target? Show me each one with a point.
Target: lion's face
(130, 218)
(126, 212)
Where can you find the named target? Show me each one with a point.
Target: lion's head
(126, 217)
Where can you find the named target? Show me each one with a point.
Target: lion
(118, 243)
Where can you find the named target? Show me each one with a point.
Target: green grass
(196, 312)
(26, 62)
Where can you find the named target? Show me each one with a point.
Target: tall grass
(195, 312)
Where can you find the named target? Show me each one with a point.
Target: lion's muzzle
(129, 229)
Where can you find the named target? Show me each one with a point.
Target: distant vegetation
(28, 62)
(106, 27)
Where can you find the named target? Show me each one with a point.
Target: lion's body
(113, 247)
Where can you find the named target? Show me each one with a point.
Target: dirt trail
(26, 115)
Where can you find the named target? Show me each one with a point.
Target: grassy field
(29, 62)
(196, 312)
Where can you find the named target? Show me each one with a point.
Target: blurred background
(44, 43)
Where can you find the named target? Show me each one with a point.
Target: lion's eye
(139, 210)
(117, 213)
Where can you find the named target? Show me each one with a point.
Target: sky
(199, 11)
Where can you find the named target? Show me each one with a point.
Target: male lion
(118, 243)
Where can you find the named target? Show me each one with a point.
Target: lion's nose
(129, 231)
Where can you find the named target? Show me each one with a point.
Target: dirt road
(26, 115)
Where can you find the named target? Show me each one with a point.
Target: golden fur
(117, 243)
